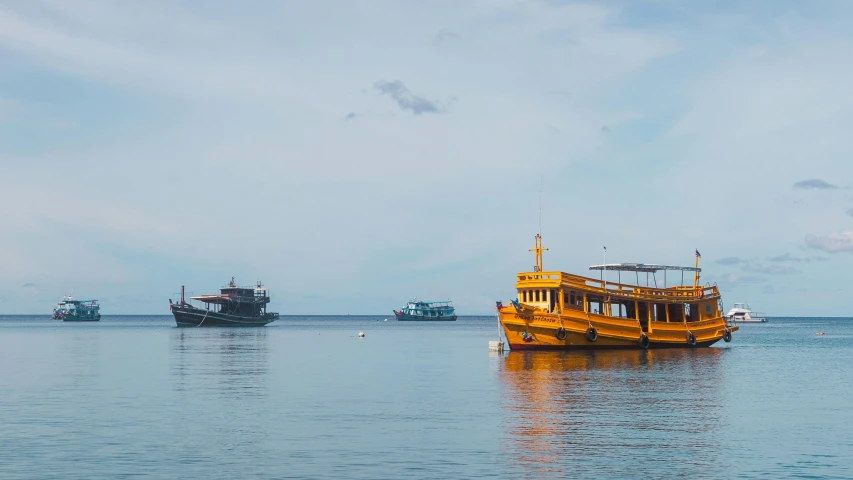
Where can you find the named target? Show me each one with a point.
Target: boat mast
(182, 295)
(696, 272)
(538, 250)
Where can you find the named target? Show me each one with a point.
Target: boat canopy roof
(223, 299)
(443, 303)
(642, 267)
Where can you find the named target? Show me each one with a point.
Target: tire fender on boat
(643, 342)
(591, 334)
(727, 336)
(561, 333)
(691, 339)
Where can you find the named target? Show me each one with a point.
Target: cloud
(406, 99)
(769, 269)
(28, 285)
(833, 243)
(728, 261)
(768, 289)
(850, 212)
(445, 35)
(790, 258)
(733, 278)
(815, 183)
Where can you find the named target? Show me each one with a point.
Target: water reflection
(613, 413)
(225, 361)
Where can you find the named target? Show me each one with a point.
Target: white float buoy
(496, 346)
(360, 334)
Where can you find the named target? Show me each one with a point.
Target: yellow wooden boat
(560, 311)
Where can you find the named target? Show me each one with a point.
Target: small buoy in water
(496, 346)
(360, 334)
(386, 319)
(820, 333)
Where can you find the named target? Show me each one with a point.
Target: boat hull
(75, 318)
(417, 318)
(197, 317)
(540, 332)
(749, 320)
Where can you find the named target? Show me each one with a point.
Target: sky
(353, 155)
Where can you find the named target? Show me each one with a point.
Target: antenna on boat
(540, 204)
(538, 245)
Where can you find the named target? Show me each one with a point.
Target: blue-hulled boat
(426, 311)
(72, 310)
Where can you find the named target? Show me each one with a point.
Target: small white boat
(741, 313)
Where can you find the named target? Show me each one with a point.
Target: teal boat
(72, 310)
(417, 311)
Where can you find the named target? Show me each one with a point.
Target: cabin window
(630, 309)
(552, 300)
(537, 295)
(593, 304)
(658, 312)
(622, 309)
(676, 312)
(691, 312)
(643, 310)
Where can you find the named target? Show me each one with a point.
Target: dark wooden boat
(233, 307)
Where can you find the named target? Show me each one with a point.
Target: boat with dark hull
(233, 307)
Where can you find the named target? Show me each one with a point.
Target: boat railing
(606, 287)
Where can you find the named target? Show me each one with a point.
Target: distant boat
(71, 310)
(741, 313)
(233, 307)
(418, 311)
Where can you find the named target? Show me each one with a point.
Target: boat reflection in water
(615, 414)
(230, 362)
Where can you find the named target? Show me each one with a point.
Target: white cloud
(833, 243)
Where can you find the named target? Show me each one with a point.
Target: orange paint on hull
(542, 329)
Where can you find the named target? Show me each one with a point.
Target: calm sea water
(306, 398)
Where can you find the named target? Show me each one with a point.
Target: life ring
(591, 334)
(691, 339)
(643, 342)
(561, 333)
(727, 336)
(700, 293)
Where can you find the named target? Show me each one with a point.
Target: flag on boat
(697, 254)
